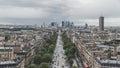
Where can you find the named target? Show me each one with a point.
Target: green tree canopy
(71, 62)
(47, 58)
(38, 59)
(32, 66)
(74, 66)
(44, 65)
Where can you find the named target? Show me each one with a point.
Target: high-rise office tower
(67, 24)
(101, 23)
(86, 26)
(63, 23)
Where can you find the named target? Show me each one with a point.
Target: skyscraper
(63, 23)
(101, 23)
(67, 24)
(86, 26)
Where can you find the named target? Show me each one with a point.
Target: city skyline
(78, 11)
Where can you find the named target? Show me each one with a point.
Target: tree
(37, 59)
(71, 62)
(51, 48)
(47, 58)
(70, 56)
(67, 51)
(40, 53)
(43, 49)
(44, 65)
(32, 66)
(74, 66)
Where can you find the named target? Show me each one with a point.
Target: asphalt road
(59, 60)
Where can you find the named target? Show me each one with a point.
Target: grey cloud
(58, 10)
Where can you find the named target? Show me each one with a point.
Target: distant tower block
(101, 23)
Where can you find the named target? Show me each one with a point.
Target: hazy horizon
(78, 11)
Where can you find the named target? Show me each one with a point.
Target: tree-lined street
(59, 60)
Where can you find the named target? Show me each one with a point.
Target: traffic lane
(59, 56)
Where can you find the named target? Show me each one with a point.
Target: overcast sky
(78, 11)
